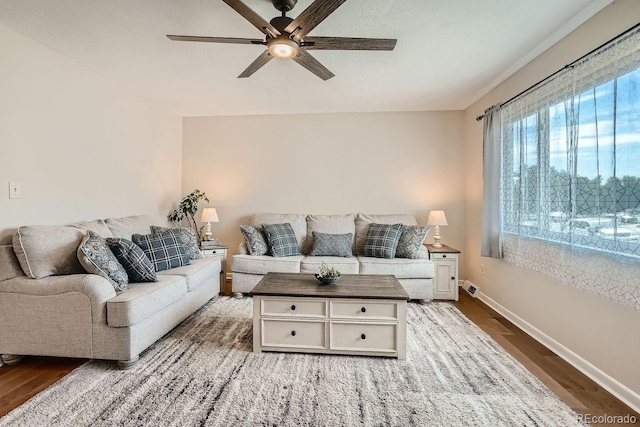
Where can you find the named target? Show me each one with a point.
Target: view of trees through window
(572, 168)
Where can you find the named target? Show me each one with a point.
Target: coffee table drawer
(293, 334)
(370, 337)
(294, 307)
(364, 309)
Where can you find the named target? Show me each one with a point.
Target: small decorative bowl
(328, 280)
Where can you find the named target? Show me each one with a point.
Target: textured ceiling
(449, 52)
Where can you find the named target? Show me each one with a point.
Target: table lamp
(209, 215)
(437, 218)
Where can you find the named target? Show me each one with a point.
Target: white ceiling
(449, 52)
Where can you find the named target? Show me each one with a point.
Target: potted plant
(327, 275)
(187, 209)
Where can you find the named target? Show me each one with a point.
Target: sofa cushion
(311, 264)
(186, 236)
(96, 257)
(9, 264)
(331, 224)
(97, 226)
(264, 264)
(411, 241)
(282, 240)
(382, 240)
(337, 245)
(402, 268)
(298, 223)
(363, 221)
(164, 250)
(138, 266)
(48, 250)
(142, 300)
(256, 241)
(197, 273)
(130, 225)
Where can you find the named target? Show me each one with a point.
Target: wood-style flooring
(20, 382)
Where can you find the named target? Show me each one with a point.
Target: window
(571, 161)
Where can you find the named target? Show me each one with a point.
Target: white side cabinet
(445, 280)
(219, 251)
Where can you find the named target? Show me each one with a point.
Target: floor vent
(471, 289)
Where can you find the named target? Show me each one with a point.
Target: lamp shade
(209, 215)
(437, 218)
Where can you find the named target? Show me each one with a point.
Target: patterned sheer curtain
(570, 188)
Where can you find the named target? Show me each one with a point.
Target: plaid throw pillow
(135, 262)
(164, 250)
(186, 236)
(256, 241)
(325, 244)
(411, 241)
(282, 240)
(382, 240)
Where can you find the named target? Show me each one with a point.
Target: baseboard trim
(613, 386)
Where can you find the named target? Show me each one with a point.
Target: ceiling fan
(286, 38)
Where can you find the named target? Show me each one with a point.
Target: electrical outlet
(15, 190)
(482, 269)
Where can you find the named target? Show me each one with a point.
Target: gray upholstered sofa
(70, 313)
(416, 275)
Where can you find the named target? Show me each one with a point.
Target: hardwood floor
(20, 382)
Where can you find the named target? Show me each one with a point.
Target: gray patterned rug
(204, 374)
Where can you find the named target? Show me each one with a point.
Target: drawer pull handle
(363, 336)
(293, 307)
(364, 310)
(293, 333)
(453, 278)
(444, 256)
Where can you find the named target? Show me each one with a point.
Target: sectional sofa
(416, 275)
(66, 312)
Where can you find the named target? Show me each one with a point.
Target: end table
(445, 279)
(221, 252)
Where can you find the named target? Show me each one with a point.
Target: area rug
(204, 374)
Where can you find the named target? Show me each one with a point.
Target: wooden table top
(362, 286)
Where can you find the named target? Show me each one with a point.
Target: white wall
(603, 333)
(82, 147)
(327, 164)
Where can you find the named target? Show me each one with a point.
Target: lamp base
(436, 237)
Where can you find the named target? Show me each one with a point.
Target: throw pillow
(164, 250)
(325, 244)
(96, 257)
(135, 262)
(282, 240)
(256, 240)
(411, 240)
(186, 236)
(382, 240)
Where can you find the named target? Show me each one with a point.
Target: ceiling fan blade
(256, 65)
(312, 16)
(257, 21)
(348, 43)
(312, 64)
(215, 39)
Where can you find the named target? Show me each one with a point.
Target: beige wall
(327, 164)
(602, 332)
(81, 147)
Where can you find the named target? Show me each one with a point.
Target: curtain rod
(562, 69)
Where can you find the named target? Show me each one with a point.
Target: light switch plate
(15, 190)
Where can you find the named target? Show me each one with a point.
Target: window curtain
(491, 213)
(570, 185)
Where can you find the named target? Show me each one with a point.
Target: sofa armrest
(423, 253)
(242, 249)
(97, 289)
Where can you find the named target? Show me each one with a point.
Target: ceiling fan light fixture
(283, 48)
